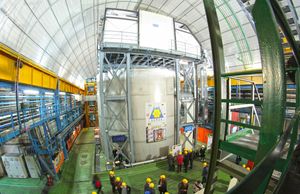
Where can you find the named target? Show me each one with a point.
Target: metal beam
(104, 133)
(177, 79)
(196, 96)
(272, 67)
(129, 107)
(219, 64)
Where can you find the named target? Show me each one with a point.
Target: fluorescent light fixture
(49, 93)
(62, 93)
(31, 92)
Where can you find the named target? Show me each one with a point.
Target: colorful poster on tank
(156, 122)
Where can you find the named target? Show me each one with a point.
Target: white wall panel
(156, 31)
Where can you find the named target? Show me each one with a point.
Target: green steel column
(228, 96)
(293, 136)
(219, 64)
(274, 86)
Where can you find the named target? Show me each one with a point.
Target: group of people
(117, 185)
(185, 159)
(183, 186)
(149, 187)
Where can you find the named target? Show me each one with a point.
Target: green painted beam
(238, 150)
(241, 124)
(274, 85)
(280, 165)
(291, 104)
(219, 68)
(239, 134)
(284, 164)
(243, 101)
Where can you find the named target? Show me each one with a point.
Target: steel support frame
(177, 103)
(272, 66)
(189, 98)
(274, 90)
(46, 114)
(219, 64)
(202, 93)
(106, 128)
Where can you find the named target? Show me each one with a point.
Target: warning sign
(156, 122)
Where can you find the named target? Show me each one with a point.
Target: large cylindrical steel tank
(150, 88)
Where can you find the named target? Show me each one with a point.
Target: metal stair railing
(253, 180)
(269, 148)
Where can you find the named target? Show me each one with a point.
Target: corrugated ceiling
(61, 35)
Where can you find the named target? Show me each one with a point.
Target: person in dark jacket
(186, 161)
(238, 159)
(97, 184)
(191, 158)
(118, 184)
(171, 161)
(146, 186)
(183, 187)
(202, 153)
(124, 189)
(204, 173)
(162, 184)
(112, 180)
(179, 162)
(151, 188)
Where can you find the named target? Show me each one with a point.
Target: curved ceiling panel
(61, 35)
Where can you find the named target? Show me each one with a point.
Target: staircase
(291, 16)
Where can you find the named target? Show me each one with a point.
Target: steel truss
(188, 98)
(115, 70)
(45, 116)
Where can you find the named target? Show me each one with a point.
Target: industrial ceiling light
(31, 92)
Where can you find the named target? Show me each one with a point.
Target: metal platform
(249, 141)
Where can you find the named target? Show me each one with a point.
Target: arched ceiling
(61, 35)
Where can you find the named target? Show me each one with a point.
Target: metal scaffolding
(119, 123)
(188, 101)
(115, 72)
